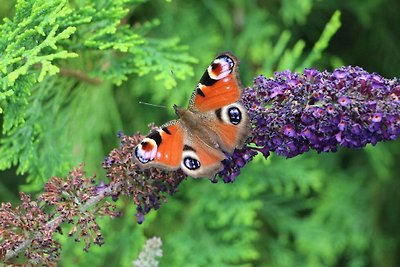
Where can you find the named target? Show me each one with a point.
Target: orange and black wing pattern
(219, 86)
(162, 147)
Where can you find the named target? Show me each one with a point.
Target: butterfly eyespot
(146, 150)
(235, 116)
(220, 68)
(140, 157)
(191, 163)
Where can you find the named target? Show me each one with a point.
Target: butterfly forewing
(162, 147)
(218, 86)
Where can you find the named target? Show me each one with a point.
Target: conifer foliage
(53, 55)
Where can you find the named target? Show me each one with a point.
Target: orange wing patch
(221, 93)
(169, 152)
(209, 157)
(228, 135)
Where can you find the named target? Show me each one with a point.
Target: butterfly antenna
(159, 106)
(153, 105)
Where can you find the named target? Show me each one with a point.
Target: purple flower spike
(293, 113)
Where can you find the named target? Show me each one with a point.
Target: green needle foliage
(60, 61)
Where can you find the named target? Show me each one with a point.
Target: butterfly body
(215, 123)
(197, 124)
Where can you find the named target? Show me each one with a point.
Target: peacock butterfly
(215, 123)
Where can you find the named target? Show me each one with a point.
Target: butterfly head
(179, 111)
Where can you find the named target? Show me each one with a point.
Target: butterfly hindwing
(200, 159)
(231, 125)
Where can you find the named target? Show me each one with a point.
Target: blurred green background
(338, 209)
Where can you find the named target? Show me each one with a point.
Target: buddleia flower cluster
(293, 113)
(30, 228)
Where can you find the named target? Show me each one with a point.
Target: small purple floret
(344, 101)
